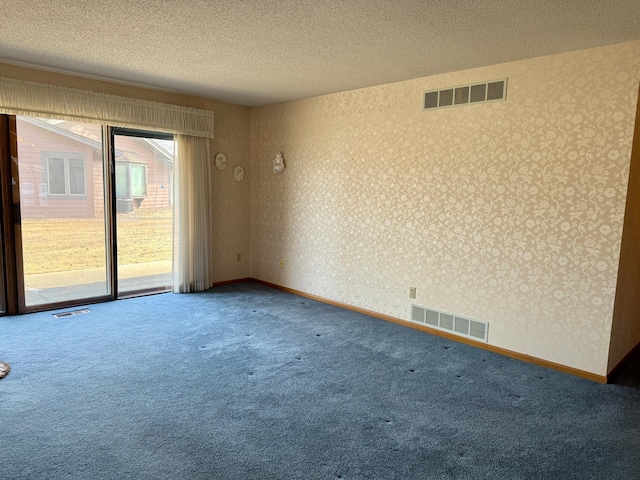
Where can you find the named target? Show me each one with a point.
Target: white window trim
(67, 179)
(128, 165)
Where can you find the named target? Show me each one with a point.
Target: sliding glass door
(61, 229)
(143, 165)
(87, 213)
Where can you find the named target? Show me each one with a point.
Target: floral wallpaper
(625, 330)
(230, 200)
(507, 212)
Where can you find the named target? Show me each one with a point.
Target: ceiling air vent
(495, 90)
(451, 323)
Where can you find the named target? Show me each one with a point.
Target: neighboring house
(61, 170)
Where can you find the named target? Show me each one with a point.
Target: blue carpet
(247, 382)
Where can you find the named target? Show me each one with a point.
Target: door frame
(9, 291)
(109, 143)
(16, 240)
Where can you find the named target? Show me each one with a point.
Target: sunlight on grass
(67, 244)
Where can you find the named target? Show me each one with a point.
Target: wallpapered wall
(625, 332)
(508, 212)
(231, 200)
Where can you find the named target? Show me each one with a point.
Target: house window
(138, 180)
(66, 175)
(131, 180)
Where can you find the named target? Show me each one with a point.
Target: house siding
(36, 144)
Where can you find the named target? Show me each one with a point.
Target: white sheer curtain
(193, 215)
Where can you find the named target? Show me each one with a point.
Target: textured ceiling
(265, 51)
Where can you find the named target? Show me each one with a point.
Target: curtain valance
(18, 97)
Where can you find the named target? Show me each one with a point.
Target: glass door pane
(62, 230)
(144, 211)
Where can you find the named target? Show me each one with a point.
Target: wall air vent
(495, 90)
(451, 323)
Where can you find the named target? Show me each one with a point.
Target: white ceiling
(266, 51)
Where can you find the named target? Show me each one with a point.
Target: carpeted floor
(246, 382)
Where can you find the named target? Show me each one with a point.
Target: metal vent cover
(451, 323)
(71, 313)
(495, 90)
